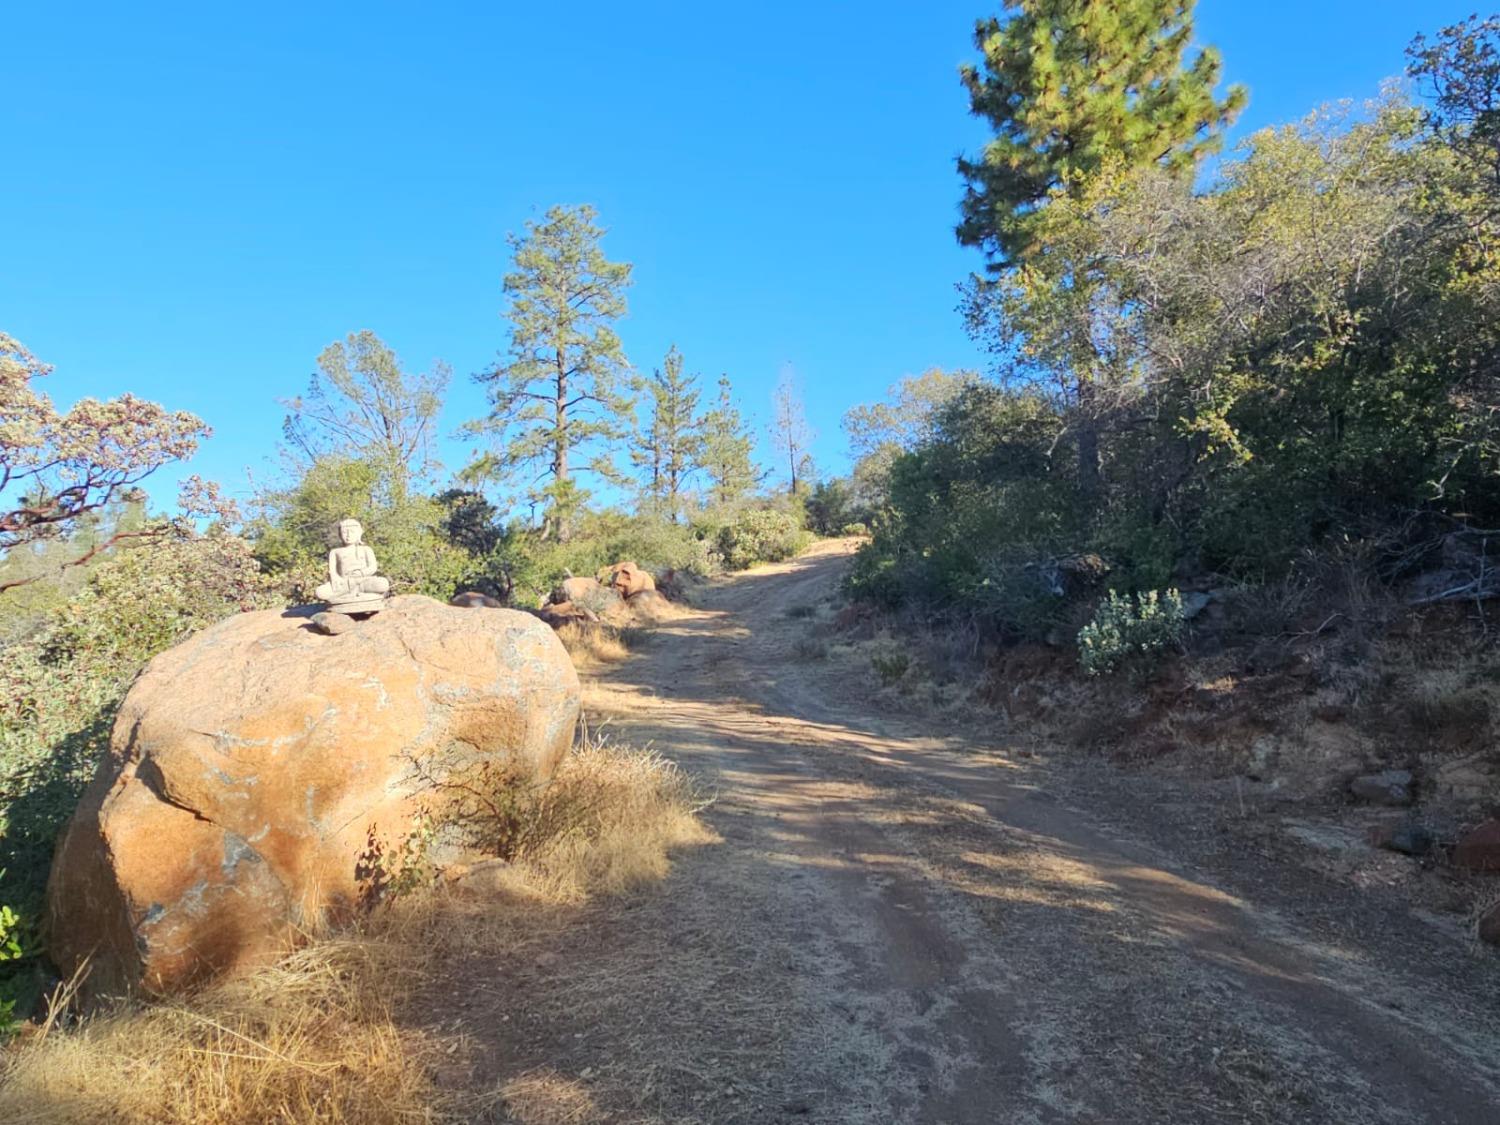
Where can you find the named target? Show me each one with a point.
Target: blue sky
(198, 198)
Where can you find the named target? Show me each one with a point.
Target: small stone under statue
(353, 586)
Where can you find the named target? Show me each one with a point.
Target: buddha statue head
(350, 532)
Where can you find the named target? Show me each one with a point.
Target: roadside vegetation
(348, 1027)
(1226, 502)
(1247, 376)
(1199, 373)
(1231, 476)
(94, 580)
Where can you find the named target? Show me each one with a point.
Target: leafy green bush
(655, 544)
(967, 510)
(533, 565)
(757, 535)
(831, 506)
(1187, 389)
(415, 539)
(1125, 628)
(11, 951)
(891, 662)
(62, 682)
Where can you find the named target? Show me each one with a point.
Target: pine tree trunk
(561, 530)
(1090, 482)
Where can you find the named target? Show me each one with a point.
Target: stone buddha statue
(353, 586)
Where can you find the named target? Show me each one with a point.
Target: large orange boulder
(582, 591)
(627, 579)
(263, 775)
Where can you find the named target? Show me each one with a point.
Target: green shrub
(12, 951)
(882, 574)
(854, 529)
(61, 684)
(891, 663)
(809, 648)
(656, 544)
(534, 565)
(757, 535)
(1125, 628)
(831, 506)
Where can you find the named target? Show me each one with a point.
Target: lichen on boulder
(261, 771)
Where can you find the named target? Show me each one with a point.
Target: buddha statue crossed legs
(353, 586)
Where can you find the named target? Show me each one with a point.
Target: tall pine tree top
(667, 450)
(1071, 84)
(560, 404)
(726, 454)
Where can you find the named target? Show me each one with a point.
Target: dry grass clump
(342, 1030)
(609, 820)
(315, 1038)
(809, 648)
(543, 1097)
(591, 643)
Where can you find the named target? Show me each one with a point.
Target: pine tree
(1069, 85)
(563, 394)
(791, 433)
(1074, 88)
(669, 450)
(726, 451)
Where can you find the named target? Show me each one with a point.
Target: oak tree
(59, 469)
(362, 404)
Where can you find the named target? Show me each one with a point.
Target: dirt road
(907, 925)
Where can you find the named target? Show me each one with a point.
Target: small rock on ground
(472, 599)
(1408, 839)
(333, 623)
(1489, 925)
(1390, 787)
(1479, 848)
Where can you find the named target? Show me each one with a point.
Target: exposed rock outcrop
(473, 599)
(589, 591)
(648, 606)
(261, 774)
(627, 579)
(558, 614)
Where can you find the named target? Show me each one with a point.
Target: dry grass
(343, 1029)
(592, 643)
(608, 822)
(545, 1098)
(316, 1038)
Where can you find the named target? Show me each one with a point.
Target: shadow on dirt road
(908, 924)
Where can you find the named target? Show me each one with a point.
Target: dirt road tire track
(913, 925)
